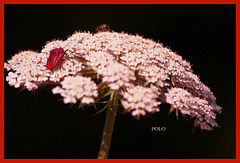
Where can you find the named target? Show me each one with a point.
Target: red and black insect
(55, 58)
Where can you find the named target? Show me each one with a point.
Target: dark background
(40, 126)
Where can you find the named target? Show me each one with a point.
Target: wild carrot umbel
(117, 68)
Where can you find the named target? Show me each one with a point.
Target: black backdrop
(40, 126)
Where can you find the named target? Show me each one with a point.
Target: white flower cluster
(99, 60)
(76, 44)
(75, 88)
(144, 72)
(28, 69)
(115, 74)
(192, 106)
(154, 74)
(140, 100)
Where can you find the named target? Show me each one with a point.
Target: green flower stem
(108, 127)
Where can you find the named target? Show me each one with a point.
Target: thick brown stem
(108, 127)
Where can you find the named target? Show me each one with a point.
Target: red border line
(2, 2)
(2, 81)
(120, 2)
(237, 79)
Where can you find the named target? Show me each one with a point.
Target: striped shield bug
(55, 58)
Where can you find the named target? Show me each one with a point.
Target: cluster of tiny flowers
(140, 99)
(99, 60)
(192, 106)
(75, 88)
(144, 72)
(115, 74)
(76, 41)
(154, 74)
(28, 69)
